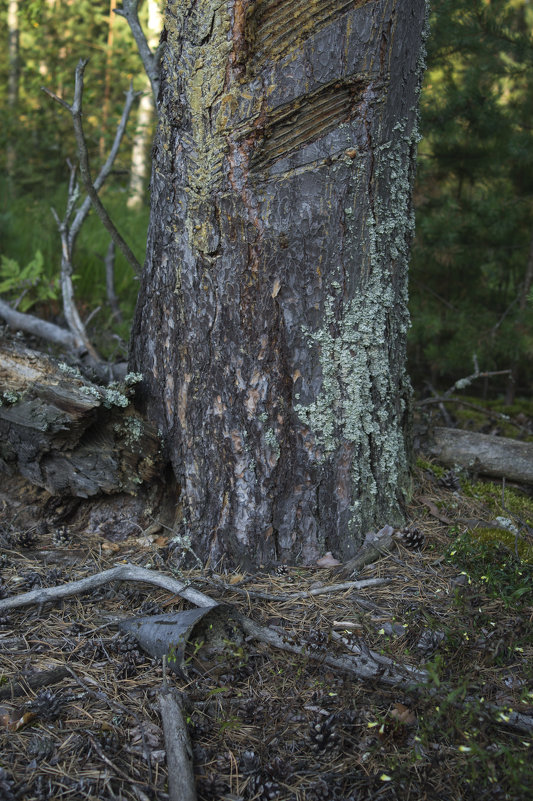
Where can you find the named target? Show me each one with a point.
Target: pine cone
(212, 787)
(449, 481)
(41, 748)
(6, 786)
(263, 787)
(61, 536)
(26, 539)
(47, 705)
(323, 736)
(249, 762)
(410, 537)
(429, 641)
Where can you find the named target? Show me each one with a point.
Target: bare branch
(76, 114)
(40, 328)
(70, 310)
(149, 59)
(83, 210)
(181, 784)
(121, 573)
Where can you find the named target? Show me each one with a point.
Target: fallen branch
(484, 454)
(295, 596)
(39, 328)
(365, 664)
(368, 665)
(41, 679)
(126, 572)
(181, 786)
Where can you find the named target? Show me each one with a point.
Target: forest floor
(79, 717)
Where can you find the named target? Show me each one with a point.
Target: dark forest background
(472, 259)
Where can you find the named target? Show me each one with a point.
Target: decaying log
(484, 454)
(67, 434)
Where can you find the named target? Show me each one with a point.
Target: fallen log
(67, 434)
(484, 454)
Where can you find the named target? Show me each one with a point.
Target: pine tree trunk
(272, 317)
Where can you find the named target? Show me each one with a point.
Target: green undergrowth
(488, 556)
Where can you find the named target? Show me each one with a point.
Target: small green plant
(488, 557)
(28, 285)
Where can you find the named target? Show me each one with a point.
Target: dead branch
(105, 170)
(126, 572)
(330, 588)
(39, 328)
(149, 59)
(484, 454)
(70, 310)
(181, 785)
(43, 678)
(366, 664)
(75, 111)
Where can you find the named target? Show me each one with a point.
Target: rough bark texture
(67, 434)
(272, 316)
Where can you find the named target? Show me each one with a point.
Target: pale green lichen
(131, 430)
(73, 372)
(358, 402)
(113, 397)
(133, 378)
(272, 442)
(10, 397)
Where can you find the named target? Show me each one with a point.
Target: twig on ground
(103, 756)
(41, 679)
(120, 573)
(267, 596)
(181, 785)
(365, 664)
(100, 695)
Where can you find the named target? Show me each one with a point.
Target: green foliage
(474, 192)
(487, 556)
(27, 285)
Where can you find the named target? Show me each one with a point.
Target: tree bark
(272, 315)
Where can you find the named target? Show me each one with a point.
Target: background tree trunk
(140, 159)
(13, 77)
(272, 316)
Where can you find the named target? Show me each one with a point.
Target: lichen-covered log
(67, 434)
(483, 454)
(272, 316)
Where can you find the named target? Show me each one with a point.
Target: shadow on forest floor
(267, 724)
